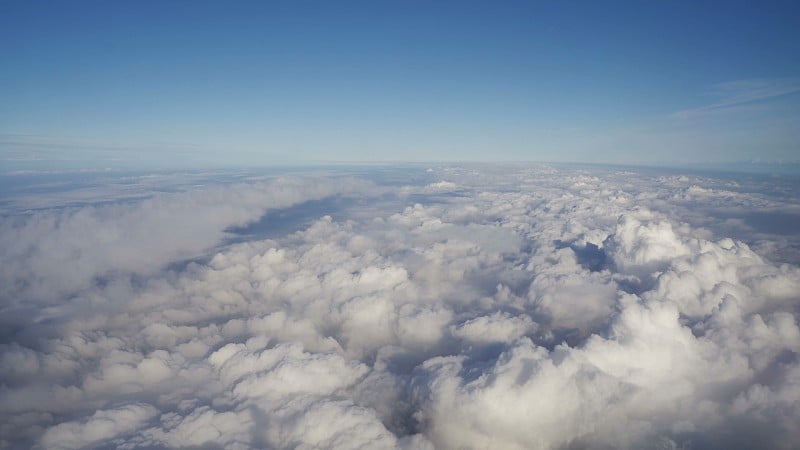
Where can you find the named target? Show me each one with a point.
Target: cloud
(50, 254)
(102, 425)
(537, 308)
(736, 94)
(89, 151)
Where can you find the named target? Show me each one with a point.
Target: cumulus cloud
(56, 253)
(526, 307)
(100, 426)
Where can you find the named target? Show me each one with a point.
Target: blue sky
(261, 83)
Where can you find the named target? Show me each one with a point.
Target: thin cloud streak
(736, 94)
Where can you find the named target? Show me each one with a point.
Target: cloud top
(529, 308)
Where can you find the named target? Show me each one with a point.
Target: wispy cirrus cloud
(740, 93)
(21, 146)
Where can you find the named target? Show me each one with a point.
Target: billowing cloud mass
(458, 307)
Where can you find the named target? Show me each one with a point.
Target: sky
(170, 83)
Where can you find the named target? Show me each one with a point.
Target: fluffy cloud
(100, 426)
(58, 252)
(493, 308)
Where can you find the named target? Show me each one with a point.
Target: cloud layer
(490, 307)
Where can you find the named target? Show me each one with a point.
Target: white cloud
(101, 425)
(539, 308)
(51, 254)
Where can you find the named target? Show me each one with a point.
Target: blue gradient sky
(193, 82)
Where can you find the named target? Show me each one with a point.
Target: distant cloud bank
(473, 307)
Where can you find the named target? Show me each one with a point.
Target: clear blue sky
(198, 82)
